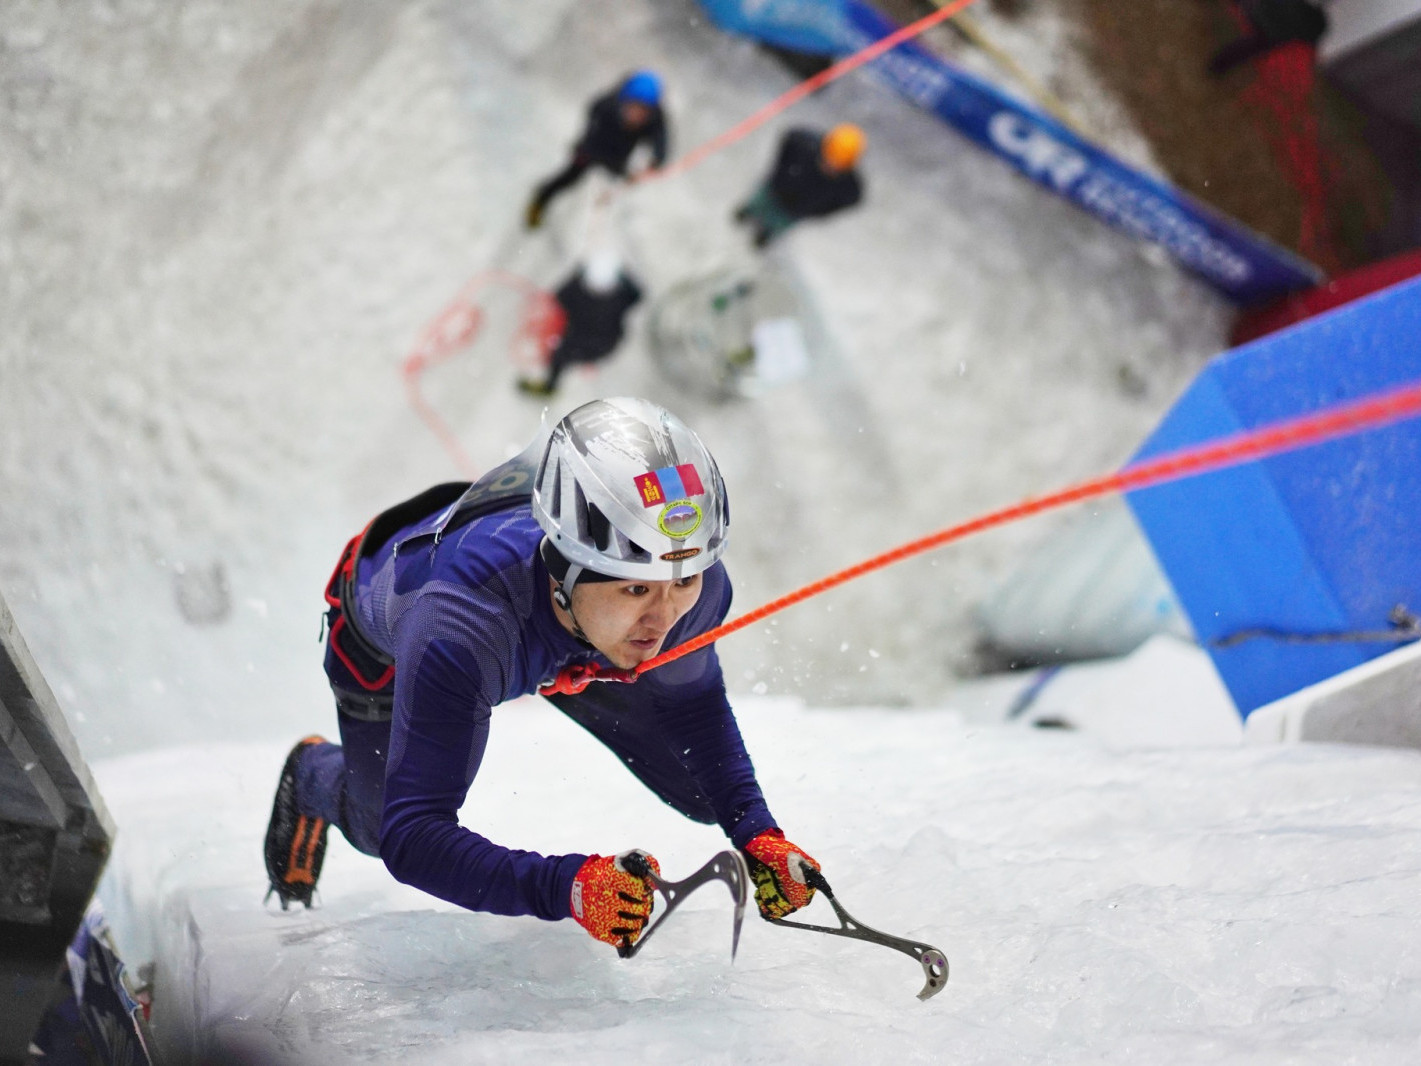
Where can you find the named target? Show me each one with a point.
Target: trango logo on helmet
(669, 483)
(679, 554)
(679, 519)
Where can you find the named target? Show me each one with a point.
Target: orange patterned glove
(775, 867)
(611, 903)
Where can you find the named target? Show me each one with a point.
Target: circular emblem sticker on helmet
(679, 519)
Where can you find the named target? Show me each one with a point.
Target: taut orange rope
(1341, 420)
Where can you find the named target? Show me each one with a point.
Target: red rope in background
(1282, 95)
(1283, 92)
(456, 327)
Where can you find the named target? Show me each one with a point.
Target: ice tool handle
(933, 961)
(727, 866)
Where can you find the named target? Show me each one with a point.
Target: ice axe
(727, 866)
(933, 961)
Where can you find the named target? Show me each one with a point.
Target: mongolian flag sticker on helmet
(679, 519)
(669, 483)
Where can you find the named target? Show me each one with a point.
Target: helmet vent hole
(630, 550)
(574, 507)
(598, 528)
(554, 495)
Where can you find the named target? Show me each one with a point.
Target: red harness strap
(341, 578)
(345, 569)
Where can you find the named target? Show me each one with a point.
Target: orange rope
(844, 66)
(1342, 420)
(451, 331)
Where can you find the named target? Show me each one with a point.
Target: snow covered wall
(1271, 558)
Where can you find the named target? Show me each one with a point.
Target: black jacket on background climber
(608, 139)
(609, 143)
(801, 185)
(594, 326)
(595, 320)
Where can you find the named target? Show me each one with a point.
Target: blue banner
(1241, 264)
(1287, 566)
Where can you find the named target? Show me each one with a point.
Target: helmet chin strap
(562, 596)
(565, 574)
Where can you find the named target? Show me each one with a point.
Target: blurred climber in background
(814, 175)
(617, 122)
(1271, 24)
(596, 299)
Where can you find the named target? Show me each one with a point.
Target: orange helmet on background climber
(842, 146)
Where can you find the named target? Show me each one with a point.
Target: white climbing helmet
(625, 489)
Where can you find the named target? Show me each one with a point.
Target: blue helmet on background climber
(642, 87)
